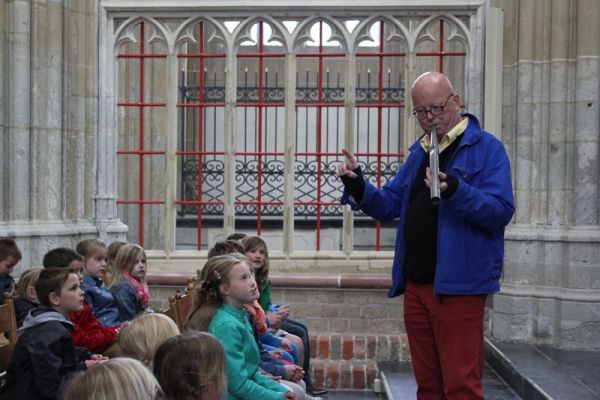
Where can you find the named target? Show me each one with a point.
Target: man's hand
(290, 396)
(347, 167)
(442, 176)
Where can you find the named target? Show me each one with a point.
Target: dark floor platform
(543, 372)
(399, 383)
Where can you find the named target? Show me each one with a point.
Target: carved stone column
(551, 127)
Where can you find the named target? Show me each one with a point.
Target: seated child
(10, 255)
(127, 281)
(267, 341)
(113, 250)
(97, 295)
(26, 299)
(227, 283)
(191, 367)
(141, 337)
(119, 378)
(45, 355)
(255, 248)
(87, 331)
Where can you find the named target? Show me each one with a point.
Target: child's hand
(284, 311)
(285, 345)
(290, 396)
(98, 357)
(293, 373)
(275, 320)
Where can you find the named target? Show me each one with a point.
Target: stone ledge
(335, 281)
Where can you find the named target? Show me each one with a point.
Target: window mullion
(171, 161)
(230, 113)
(349, 135)
(289, 150)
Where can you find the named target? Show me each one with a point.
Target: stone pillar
(18, 80)
(48, 81)
(551, 127)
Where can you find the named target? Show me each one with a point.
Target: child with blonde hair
(227, 283)
(97, 295)
(127, 281)
(141, 337)
(119, 378)
(191, 367)
(26, 298)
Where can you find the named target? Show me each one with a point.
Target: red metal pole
(141, 181)
(200, 130)
(379, 126)
(441, 46)
(319, 123)
(259, 133)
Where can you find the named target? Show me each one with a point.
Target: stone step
(399, 383)
(541, 372)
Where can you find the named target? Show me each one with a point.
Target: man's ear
(54, 299)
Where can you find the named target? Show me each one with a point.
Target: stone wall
(551, 128)
(48, 127)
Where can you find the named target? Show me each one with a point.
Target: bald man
(448, 257)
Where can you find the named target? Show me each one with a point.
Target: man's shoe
(317, 391)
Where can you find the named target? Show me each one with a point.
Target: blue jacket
(127, 300)
(470, 242)
(104, 305)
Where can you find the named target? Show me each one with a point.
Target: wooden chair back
(8, 333)
(181, 304)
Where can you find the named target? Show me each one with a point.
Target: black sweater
(421, 225)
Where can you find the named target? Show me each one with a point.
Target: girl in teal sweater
(227, 283)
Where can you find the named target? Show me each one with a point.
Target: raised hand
(347, 167)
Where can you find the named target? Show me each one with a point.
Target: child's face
(96, 265)
(241, 288)
(7, 265)
(139, 268)
(258, 257)
(71, 296)
(77, 268)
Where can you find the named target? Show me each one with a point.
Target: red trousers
(445, 335)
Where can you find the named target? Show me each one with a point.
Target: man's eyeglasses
(436, 111)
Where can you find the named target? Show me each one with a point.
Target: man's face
(444, 103)
(7, 265)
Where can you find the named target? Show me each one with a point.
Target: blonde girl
(118, 378)
(141, 337)
(97, 295)
(26, 298)
(226, 284)
(127, 281)
(191, 367)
